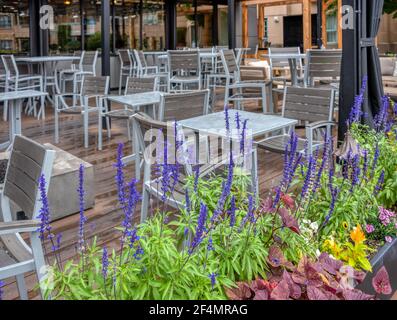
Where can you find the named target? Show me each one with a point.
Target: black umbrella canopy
(360, 60)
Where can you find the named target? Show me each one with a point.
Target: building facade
(161, 24)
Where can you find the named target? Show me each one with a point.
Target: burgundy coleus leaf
(294, 289)
(381, 282)
(330, 265)
(242, 292)
(267, 206)
(281, 292)
(261, 295)
(276, 257)
(314, 293)
(288, 220)
(354, 294)
(258, 284)
(306, 274)
(288, 201)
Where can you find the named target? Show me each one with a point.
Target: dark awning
(360, 59)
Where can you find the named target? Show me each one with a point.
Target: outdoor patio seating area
(178, 168)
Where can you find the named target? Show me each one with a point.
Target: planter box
(62, 194)
(387, 257)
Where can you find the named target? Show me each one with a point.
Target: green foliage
(390, 7)
(369, 139)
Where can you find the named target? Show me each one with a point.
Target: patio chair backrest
(140, 59)
(3, 70)
(179, 106)
(151, 131)
(77, 64)
(10, 65)
(308, 104)
(282, 62)
(95, 86)
(140, 85)
(323, 64)
(184, 63)
(229, 62)
(28, 162)
(125, 58)
(89, 60)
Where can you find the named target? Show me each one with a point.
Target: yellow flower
(332, 246)
(357, 235)
(345, 225)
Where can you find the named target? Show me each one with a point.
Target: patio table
(292, 58)
(43, 62)
(148, 100)
(258, 124)
(15, 99)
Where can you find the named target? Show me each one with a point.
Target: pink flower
(385, 215)
(388, 239)
(369, 228)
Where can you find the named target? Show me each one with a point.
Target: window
(66, 37)
(6, 45)
(266, 26)
(14, 26)
(5, 22)
(332, 29)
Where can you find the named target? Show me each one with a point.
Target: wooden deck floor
(105, 216)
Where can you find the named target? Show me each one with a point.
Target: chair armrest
(19, 226)
(319, 124)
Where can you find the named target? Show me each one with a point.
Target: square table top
(258, 124)
(46, 59)
(138, 99)
(23, 94)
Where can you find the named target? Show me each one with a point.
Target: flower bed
(311, 238)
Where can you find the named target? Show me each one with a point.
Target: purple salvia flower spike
(198, 237)
(105, 263)
(83, 219)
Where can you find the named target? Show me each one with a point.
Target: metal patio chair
(314, 107)
(127, 67)
(17, 81)
(133, 86)
(184, 70)
(144, 70)
(92, 89)
(247, 90)
(87, 67)
(28, 162)
(323, 68)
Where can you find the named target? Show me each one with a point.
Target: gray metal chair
(92, 89)
(144, 70)
(281, 65)
(184, 69)
(133, 86)
(323, 67)
(17, 81)
(4, 87)
(87, 67)
(126, 66)
(179, 106)
(28, 162)
(314, 107)
(248, 90)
